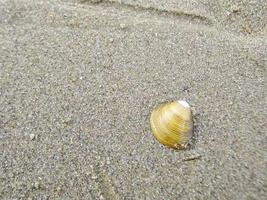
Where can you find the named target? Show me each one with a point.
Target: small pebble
(36, 185)
(58, 189)
(95, 1)
(123, 26)
(94, 177)
(32, 136)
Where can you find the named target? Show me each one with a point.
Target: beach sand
(79, 79)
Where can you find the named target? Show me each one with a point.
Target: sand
(79, 79)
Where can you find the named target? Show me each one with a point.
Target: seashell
(172, 124)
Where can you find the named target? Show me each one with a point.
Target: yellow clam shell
(172, 124)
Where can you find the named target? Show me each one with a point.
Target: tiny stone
(94, 1)
(235, 9)
(32, 136)
(94, 177)
(185, 89)
(37, 185)
(122, 26)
